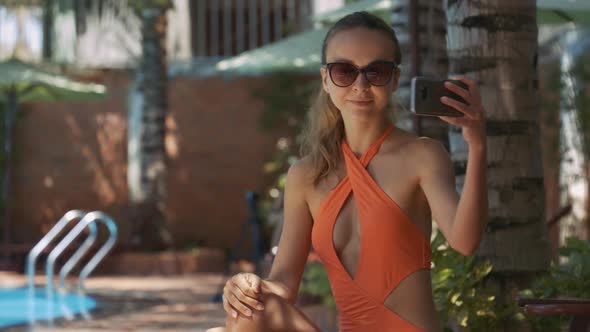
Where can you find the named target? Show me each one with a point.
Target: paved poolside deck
(151, 303)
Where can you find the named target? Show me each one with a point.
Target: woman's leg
(278, 315)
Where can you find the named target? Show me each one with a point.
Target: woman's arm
(279, 291)
(295, 241)
(242, 292)
(463, 219)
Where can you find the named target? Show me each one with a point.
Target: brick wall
(73, 155)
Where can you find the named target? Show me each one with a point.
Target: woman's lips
(361, 102)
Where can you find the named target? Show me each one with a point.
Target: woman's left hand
(473, 120)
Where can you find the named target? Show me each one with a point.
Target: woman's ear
(324, 74)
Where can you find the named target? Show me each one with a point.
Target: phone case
(425, 97)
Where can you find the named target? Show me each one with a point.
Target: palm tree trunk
(147, 155)
(421, 29)
(495, 43)
(10, 112)
(48, 19)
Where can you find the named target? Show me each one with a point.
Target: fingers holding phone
(473, 122)
(456, 101)
(426, 97)
(471, 104)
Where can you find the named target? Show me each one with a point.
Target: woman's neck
(360, 136)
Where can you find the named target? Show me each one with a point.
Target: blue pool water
(16, 308)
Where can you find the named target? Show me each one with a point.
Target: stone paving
(151, 303)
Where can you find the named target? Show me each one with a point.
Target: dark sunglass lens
(379, 73)
(343, 74)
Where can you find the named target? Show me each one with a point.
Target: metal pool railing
(85, 220)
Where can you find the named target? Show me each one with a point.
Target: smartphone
(426, 93)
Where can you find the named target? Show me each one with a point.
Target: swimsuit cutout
(391, 248)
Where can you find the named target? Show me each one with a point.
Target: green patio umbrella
(298, 53)
(20, 82)
(377, 7)
(559, 11)
(301, 52)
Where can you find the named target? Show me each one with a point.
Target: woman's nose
(361, 82)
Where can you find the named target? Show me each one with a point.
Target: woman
(364, 194)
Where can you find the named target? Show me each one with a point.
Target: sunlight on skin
(216, 329)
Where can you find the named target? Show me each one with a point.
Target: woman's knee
(274, 307)
(245, 323)
(278, 315)
(216, 329)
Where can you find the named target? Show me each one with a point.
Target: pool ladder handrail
(46, 240)
(87, 220)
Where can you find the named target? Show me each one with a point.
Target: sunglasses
(378, 73)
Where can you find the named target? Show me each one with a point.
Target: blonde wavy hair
(324, 129)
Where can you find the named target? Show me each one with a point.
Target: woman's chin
(363, 112)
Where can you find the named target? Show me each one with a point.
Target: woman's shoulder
(301, 165)
(300, 171)
(421, 147)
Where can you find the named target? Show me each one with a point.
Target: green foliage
(569, 279)
(142, 4)
(461, 293)
(315, 282)
(286, 98)
(573, 277)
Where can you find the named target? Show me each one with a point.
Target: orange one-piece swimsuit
(391, 248)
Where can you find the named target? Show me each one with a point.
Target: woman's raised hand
(473, 122)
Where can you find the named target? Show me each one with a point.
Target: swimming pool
(17, 308)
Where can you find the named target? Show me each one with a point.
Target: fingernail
(234, 314)
(260, 307)
(248, 313)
